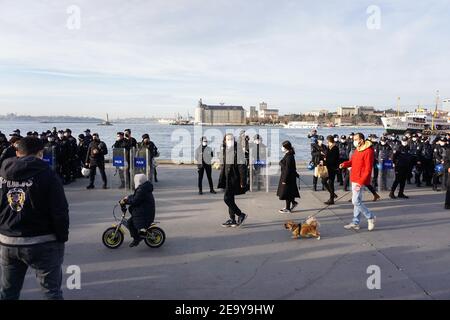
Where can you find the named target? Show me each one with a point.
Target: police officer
(82, 149)
(51, 149)
(415, 150)
(318, 152)
(426, 156)
(258, 159)
(96, 159)
(438, 158)
(203, 157)
(374, 139)
(153, 150)
(74, 163)
(384, 153)
(64, 157)
(131, 141)
(122, 143)
(344, 152)
(401, 159)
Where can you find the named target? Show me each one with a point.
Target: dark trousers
(328, 182)
(134, 230)
(233, 209)
(315, 179)
(447, 197)
(101, 168)
(427, 166)
(201, 170)
(46, 259)
(375, 175)
(401, 174)
(124, 182)
(289, 202)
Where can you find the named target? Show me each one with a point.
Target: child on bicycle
(141, 206)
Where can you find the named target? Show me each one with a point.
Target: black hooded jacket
(32, 200)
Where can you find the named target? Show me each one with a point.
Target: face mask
(404, 143)
(336, 139)
(204, 143)
(229, 143)
(118, 138)
(320, 142)
(356, 144)
(283, 149)
(257, 141)
(442, 144)
(383, 143)
(414, 139)
(50, 139)
(60, 136)
(342, 141)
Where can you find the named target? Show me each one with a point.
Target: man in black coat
(401, 160)
(34, 222)
(142, 208)
(233, 177)
(96, 159)
(153, 151)
(122, 143)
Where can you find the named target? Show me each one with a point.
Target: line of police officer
(68, 156)
(415, 156)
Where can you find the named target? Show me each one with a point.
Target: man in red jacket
(360, 176)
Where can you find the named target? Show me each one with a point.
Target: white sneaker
(371, 224)
(352, 226)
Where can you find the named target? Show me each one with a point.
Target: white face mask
(283, 149)
(257, 141)
(404, 143)
(229, 143)
(442, 143)
(204, 143)
(414, 139)
(383, 143)
(50, 139)
(342, 141)
(320, 142)
(356, 143)
(60, 135)
(336, 139)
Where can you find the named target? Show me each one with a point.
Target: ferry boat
(301, 125)
(417, 121)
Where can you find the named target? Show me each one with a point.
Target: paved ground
(202, 260)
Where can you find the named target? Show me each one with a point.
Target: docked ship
(418, 121)
(301, 125)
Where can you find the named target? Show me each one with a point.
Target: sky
(147, 58)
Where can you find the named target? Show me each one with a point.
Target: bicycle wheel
(112, 239)
(155, 237)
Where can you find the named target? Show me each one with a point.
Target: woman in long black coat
(331, 160)
(287, 186)
(233, 179)
(142, 207)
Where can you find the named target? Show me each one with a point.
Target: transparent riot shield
(258, 168)
(386, 175)
(141, 163)
(121, 167)
(49, 157)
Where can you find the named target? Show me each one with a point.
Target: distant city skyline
(158, 58)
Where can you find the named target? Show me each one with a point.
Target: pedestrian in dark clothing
(153, 152)
(131, 141)
(344, 155)
(142, 208)
(384, 153)
(122, 143)
(427, 160)
(34, 222)
(203, 157)
(10, 150)
(287, 186)
(232, 179)
(331, 161)
(401, 160)
(438, 159)
(96, 159)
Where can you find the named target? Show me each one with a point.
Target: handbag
(321, 171)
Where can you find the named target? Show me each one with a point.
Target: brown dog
(306, 230)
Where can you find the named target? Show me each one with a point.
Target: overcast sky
(145, 58)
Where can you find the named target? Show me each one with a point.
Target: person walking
(361, 163)
(232, 179)
(287, 186)
(318, 151)
(96, 159)
(203, 157)
(331, 161)
(34, 222)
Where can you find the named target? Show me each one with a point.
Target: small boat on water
(301, 125)
(106, 123)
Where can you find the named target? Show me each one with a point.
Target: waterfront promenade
(202, 260)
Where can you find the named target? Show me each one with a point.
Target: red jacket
(361, 164)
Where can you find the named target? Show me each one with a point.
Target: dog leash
(326, 206)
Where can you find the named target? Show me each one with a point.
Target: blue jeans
(359, 207)
(46, 259)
